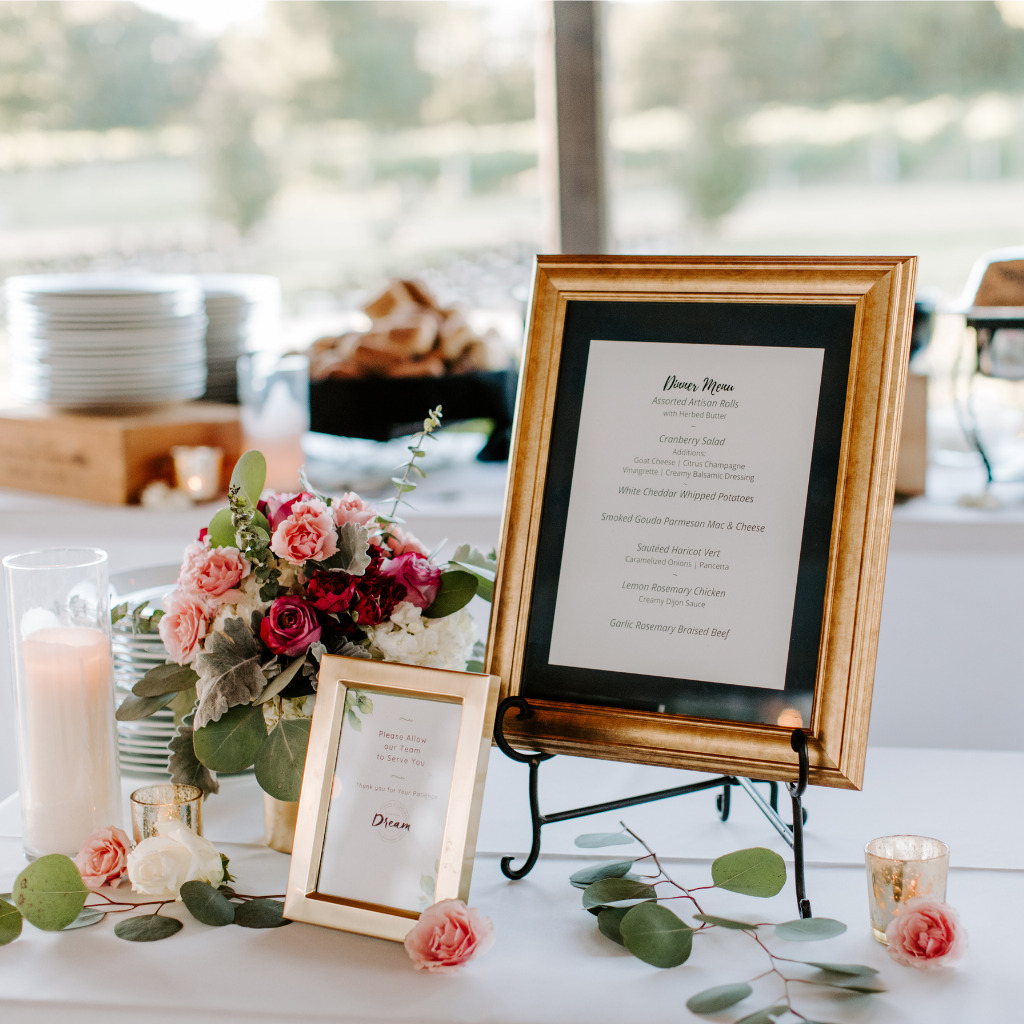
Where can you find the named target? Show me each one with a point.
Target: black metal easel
(793, 834)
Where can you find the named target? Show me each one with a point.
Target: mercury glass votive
(197, 470)
(167, 801)
(902, 868)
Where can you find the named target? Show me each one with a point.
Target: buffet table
(549, 963)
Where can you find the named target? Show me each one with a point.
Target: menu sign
(686, 511)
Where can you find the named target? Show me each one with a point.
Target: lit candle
(197, 470)
(70, 785)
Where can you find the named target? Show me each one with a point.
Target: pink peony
(290, 626)
(330, 590)
(447, 935)
(182, 627)
(103, 858)
(350, 508)
(401, 542)
(415, 573)
(210, 575)
(278, 507)
(375, 598)
(308, 532)
(926, 933)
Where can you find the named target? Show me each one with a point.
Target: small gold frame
(875, 295)
(477, 694)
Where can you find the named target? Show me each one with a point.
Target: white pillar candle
(71, 783)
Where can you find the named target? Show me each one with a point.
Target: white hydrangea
(288, 708)
(410, 639)
(243, 608)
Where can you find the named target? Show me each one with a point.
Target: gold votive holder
(167, 801)
(197, 470)
(902, 868)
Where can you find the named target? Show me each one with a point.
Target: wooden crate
(108, 458)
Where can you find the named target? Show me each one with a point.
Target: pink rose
(926, 933)
(182, 627)
(448, 934)
(210, 575)
(308, 532)
(103, 858)
(401, 542)
(290, 626)
(421, 580)
(350, 508)
(278, 507)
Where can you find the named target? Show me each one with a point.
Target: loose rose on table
(103, 857)
(927, 934)
(160, 865)
(447, 935)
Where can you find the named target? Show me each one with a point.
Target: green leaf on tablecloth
(134, 709)
(87, 918)
(230, 744)
(457, 589)
(250, 475)
(726, 922)
(711, 1000)
(848, 982)
(809, 929)
(857, 969)
(281, 680)
(50, 892)
(261, 913)
(592, 840)
(148, 928)
(608, 921)
(764, 1016)
(10, 922)
(185, 768)
(587, 876)
(230, 672)
(610, 891)
(167, 678)
(753, 872)
(654, 934)
(281, 758)
(207, 904)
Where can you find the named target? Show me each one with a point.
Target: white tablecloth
(549, 963)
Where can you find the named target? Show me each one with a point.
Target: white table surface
(549, 963)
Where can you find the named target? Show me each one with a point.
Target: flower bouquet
(270, 587)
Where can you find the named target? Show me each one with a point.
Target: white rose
(161, 864)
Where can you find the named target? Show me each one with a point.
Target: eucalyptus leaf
(10, 922)
(593, 840)
(726, 922)
(167, 678)
(711, 1000)
(764, 1016)
(809, 929)
(221, 530)
(50, 892)
(608, 921)
(261, 913)
(753, 872)
(849, 982)
(230, 744)
(485, 582)
(148, 928)
(184, 766)
(230, 671)
(587, 876)
(457, 589)
(250, 475)
(87, 918)
(654, 934)
(281, 758)
(134, 709)
(281, 680)
(207, 904)
(856, 969)
(607, 891)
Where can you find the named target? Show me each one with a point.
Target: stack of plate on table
(243, 312)
(93, 340)
(142, 745)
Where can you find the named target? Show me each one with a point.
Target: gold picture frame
(857, 312)
(394, 774)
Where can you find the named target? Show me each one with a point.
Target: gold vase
(279, 822)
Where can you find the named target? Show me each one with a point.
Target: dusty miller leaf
(351, 556)
(229, 671)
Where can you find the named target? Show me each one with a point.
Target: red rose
(376, 599)
(418, 577)
(331, 592)
(290, 626)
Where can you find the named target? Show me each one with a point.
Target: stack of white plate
(95, 340)
(243, 312)
(142, 745)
